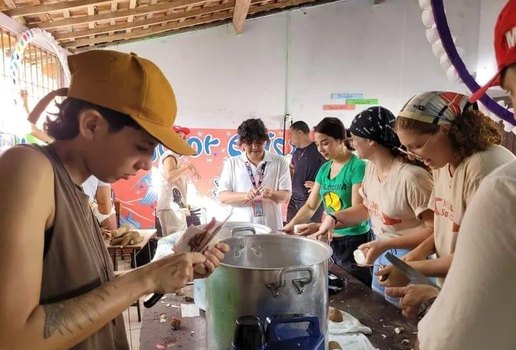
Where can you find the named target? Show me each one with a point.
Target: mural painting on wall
(139, 194)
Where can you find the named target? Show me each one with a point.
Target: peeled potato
(359, 257)
(335, 315)
(333, 345)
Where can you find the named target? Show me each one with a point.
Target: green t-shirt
(336, 193)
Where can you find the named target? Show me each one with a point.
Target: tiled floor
(132, 326)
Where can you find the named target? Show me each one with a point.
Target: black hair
(66, 124)
(301, 126)
(333, 127)
(252, 130)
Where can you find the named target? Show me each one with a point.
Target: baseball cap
(436, 107)
(504, 44)
(125, 83)
(182, 129)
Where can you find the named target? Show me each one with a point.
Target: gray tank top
(76, 260)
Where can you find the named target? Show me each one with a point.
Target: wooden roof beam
(143, 22)
(145, 32)
(10, 4)
(117, 14)
(61, 6)
(240, 14)
(175, 25)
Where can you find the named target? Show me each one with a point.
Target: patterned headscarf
(377, 124)
(436, 107)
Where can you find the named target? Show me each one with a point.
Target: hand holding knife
(193, 242)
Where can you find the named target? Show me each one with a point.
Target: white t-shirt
(452, 194)
(396, 203)
(166, 190)
(477, 306)
(90, 187)
(235, 178)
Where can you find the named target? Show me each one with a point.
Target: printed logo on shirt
(332, 201)
(443, 208)
(374, 210)
(335, 187)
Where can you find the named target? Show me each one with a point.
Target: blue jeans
(382, 260)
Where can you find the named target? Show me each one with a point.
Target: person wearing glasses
(461, 146)
(337, 186)
(256, 182)
(475, 308)
(395, 191)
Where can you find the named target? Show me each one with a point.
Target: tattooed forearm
(73, 314)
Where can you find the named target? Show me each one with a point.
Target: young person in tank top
(395, 193)
(461, 145)
(337, 186)
(57, 289)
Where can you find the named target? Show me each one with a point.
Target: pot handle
(242, 229)
(299, 283)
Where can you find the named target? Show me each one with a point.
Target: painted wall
(139, 194)
(292, 62)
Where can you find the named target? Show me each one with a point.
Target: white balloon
(428, 18)
(452, 75)
(494, 117)
(425, 4)
(438, 49)
(507, 126)
(445, 61)
(432, 35)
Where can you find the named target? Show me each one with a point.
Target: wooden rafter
(145, 22)
(143, 10)
(132, 5)
(157, 29)
(240, 14)
(10, 4)
(81, 24)
(60, 6)
(146, 32)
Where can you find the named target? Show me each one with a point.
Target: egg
(359, 257)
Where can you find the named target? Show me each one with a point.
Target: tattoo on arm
(70, 315)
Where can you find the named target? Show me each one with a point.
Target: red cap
(504, 43)
(182, 129)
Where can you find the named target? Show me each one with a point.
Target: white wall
(292, 61)
(486, 66)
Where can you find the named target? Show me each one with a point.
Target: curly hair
(470, 133)
(65, 125)
(252, 130)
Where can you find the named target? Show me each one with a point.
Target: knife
(411, 273)
(154, 298)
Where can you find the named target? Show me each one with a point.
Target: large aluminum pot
(267, 275)
(230, 229)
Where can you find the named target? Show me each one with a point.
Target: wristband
(335, 220)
